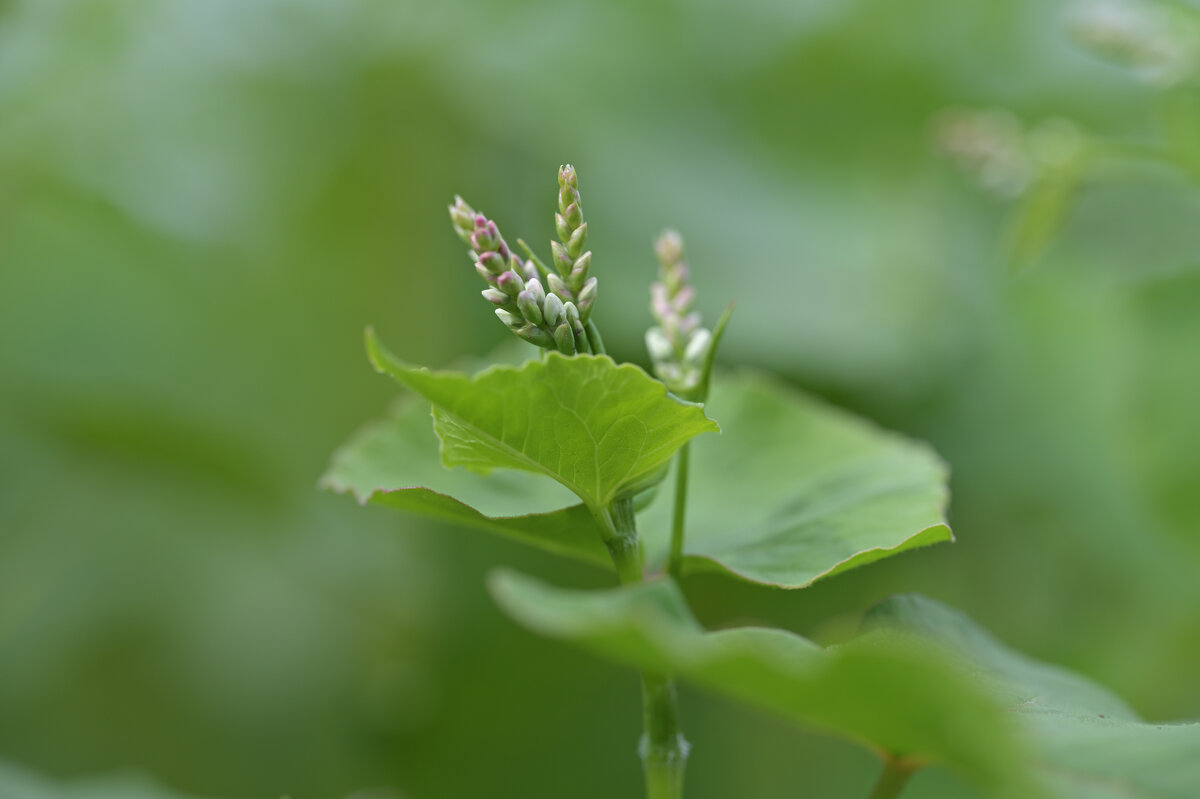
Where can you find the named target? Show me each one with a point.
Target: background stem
(893, 779)
(675, 561)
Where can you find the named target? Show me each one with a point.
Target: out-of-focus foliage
(202, 203)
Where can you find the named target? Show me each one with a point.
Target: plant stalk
(593, 336)
(893, 779)
(662, 748)
(675, 560)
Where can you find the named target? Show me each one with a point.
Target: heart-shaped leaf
(394, 462)
(600, 429)
(882, 692)
(795, 490)
(1087, 742)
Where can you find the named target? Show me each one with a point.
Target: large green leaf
(795, 490)
(1088, 743)
(394, 462)
(881, 691)
(600, 429)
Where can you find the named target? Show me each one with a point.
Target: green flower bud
(510, 319)
(530, 307)
(552, 310)
(580, 335)
(577, 240)
(560, 227)
(462, 216)
(579, 269)
(562, 259)
(534, 287)
(573, 215)
(564, 339)
(535, 335)
(494, 296)
(559, 286)
(570, 312)
(567, 176)
(586, 297)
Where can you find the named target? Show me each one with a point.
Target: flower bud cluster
(678, 344)
(1161, 44)
(1001, 153)
(571, 262)
(538, 316)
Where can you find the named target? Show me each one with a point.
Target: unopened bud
(669, 247)
(493, 263)
(529, 307)
(697, 347)
(558, 286)
(567, 176)
(562, 259)
(586, 297)
(581, 342)
(486, 236)
(462, 216)
(534, 287)
(561, 227)
(510, 319)
(535, 335)
(577, 240)
(510, 283)
(658, 345)
(570, 312)
(495, 296)
(579, 268)
(552, 310)
(564, 339)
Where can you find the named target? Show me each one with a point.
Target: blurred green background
(203, 203)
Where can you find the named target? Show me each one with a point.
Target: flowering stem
(663, 748)
(675, 560)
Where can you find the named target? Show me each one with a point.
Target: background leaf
(795, 490)
(1088, 742)
(886, 695)
(599, 429)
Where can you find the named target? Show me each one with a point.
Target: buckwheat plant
(566, 452)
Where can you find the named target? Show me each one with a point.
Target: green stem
(593, 337)
(675, 561)
(893, 779)
(662, 748)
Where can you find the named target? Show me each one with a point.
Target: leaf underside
(1088, 743)
(887, 695)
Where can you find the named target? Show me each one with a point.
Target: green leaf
(1087, 742)
(600, 429)
(795, 490)
(884, 693)
(394, 462)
